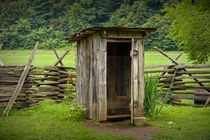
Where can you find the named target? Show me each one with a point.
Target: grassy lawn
(54, 122)
(48, 122)
(189, 123)
(47, 57)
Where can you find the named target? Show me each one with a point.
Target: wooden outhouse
(110, 71)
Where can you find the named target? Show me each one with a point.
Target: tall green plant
(152, 96)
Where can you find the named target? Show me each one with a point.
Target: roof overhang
(91, 30)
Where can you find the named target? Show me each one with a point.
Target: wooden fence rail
(190, 82)
(41, 83)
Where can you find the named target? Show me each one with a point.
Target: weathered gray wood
(190, 82)
(91, 82)
(200, 98)
(207, 101)
(140, 45)
(188, 87)
(191, 66)
(57, 55)
(51, 68)
(132, 84)
(121, 34)
(178, 103)
(118, 116)
(156, 71)
(158, 66)
(12, 66)
(171, 63)
(183, 92)
(95, 74)
(85, 75)
(193, 72)
(61, 58)
(177, 63)
(79, 63)
(102, 69)
(36, 72)
(21, 82)
(53, 78)
(47, 83)
(187, 77)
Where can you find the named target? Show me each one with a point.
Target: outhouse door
(137, 79)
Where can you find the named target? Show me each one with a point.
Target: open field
(47, 57)
(54, 123)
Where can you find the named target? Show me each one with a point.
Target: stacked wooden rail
(41, 83)
(189, 82)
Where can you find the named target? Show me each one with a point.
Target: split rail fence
(49, 82)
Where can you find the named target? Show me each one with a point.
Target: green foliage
(152, 96)
(46, 37)
(159, 38)
(15, 35)
(50, 21)
(131, 16)
(70, 91)
(191, 28)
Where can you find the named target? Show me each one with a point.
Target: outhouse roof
(91, 30)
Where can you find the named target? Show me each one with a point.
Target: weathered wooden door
(137, 79)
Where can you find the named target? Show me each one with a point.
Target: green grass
(189, 123)
(47, 57)
(48, 122)
(43, 57)
(53, 121)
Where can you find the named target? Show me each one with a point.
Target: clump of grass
(152, 96)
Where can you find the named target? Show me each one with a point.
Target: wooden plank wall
(91, 76)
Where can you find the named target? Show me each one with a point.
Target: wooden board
(102, 86)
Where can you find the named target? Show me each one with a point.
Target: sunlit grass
(189, 123)
(48, 122)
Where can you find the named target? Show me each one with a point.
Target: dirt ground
(121, 128)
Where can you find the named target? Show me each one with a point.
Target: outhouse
(110, 71)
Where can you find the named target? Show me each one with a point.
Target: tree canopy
(49, 21)
(191, 28)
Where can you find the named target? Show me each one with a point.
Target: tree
(191, 28)
(159, 38)
(47, 37)
(15, 35)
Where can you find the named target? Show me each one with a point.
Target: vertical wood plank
(85, 64)
(132, 97)
(137, 84)
(102, 91)
(140, 44)
(135, 78)
(95, 74)
(90, 44)
(79, 60)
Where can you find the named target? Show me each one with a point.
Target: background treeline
(23, 22)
